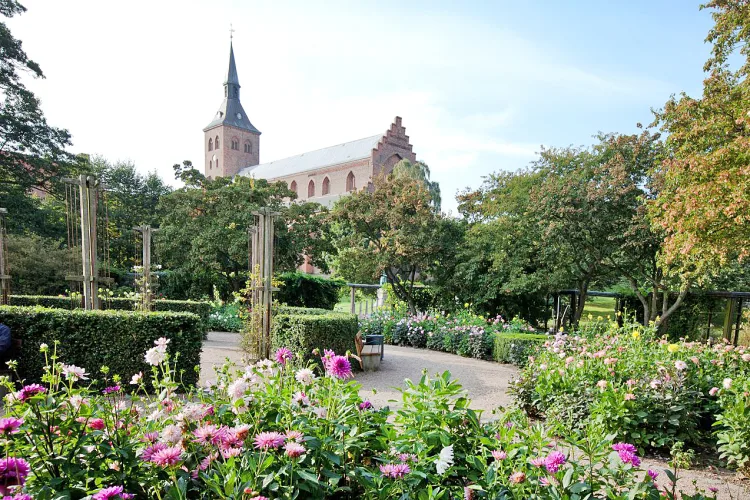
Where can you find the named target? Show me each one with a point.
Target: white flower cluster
(157, 354)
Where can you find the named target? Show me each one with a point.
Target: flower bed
(464, 333)
(643, 389)
(284, 429)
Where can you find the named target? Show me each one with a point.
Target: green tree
(132, 200)
(32, 153)
(204, 230)
(419, 171)
(703, 206)
(38, 265)
(395, 230)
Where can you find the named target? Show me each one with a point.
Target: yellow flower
(673, 348)
(591, 316)
(636, 334)
(562, 328)
(466, 305)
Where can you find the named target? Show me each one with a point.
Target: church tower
(230, 141)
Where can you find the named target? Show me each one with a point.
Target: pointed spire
(232, 78)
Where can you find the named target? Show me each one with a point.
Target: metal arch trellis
(4, 276)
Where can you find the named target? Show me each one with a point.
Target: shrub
(116, 339)
(638, 387)
(303, 330)
(733, 424)
(303, 290)
(202, 309)
(515, 348)
(225, 318)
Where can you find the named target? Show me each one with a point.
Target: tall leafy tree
(419, 171)
(203, 232)
(703, 205)
(395, 228)
(32, 153)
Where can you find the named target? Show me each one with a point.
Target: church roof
(312, 160)
(230, 112)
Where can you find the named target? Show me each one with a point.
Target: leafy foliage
(303, 329)
(304, 290)
(81, 341)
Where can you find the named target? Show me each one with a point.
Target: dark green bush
(90, 339)
(516, 347)
(303, 290)
(202, 309)
(303, 330)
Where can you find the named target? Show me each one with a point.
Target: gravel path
(485, 382)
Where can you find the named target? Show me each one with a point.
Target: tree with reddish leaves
(703, 205)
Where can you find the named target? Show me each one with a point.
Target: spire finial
(231, 32)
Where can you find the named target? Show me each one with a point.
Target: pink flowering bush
(643, 389)
(287, 429)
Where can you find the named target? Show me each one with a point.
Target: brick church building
(232, 147)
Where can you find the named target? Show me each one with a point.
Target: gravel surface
(485, 382)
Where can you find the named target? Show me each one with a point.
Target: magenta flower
(365, 405)
(554, 461)
(112, 492)
(31, 390)
(537, 462)
(629, 457)
(624, 447)
(296, 436)
(407, 457)
(208, 434)
(266, 440)
(111, 389)
(167, 456)
(149, 452)
(13, 472)
(294, 450)
(652, 474)
(395, 471)
(339, 367)
(228, 453)
(150, 437)
(10, 425)
(499, 455)
(96, 424)
(283, 355)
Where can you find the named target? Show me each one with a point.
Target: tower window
(311, 189)
(350, 182)
(248, 147)
(210, 164)
(210, 144)
(293, 187)
(326, 186)
(217, 142)
(236, 144)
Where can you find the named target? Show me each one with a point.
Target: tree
(395, 229)
(419, 171)
(132, 200)
(38, 266)
(204, 230)
(32, 153)
(703, 206)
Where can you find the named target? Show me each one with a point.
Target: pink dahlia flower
(13, 472)
(31, 390)
(283, 355)
(266, 440)
(554, 461)
(294, 450)
(10, 425)
(167, 456)
(111, 493)
(339, 367)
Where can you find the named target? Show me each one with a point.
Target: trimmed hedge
(304, 290)
(303, 330)
(90, 339)
(515, 348)
(202, 309)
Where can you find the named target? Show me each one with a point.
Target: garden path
(486, 383)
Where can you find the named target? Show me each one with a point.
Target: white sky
(479, 88)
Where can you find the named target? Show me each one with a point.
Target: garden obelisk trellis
(83, 217)
(146, 286)
(4, 277)
(261, 287)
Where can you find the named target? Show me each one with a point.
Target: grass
(600, 309)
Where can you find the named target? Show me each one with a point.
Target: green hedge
(516, 347)
(304, 290)
(90, 339)
(303, 330)
(202, 309)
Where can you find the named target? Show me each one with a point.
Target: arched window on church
(210, 144)
(248, 147)
(235, 144)
(293, 187)
(311, 189)
(210, 164)
(351, 184)
(217, 142)
(326, 186)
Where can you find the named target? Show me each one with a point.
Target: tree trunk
(666, 312)
(583, 291)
